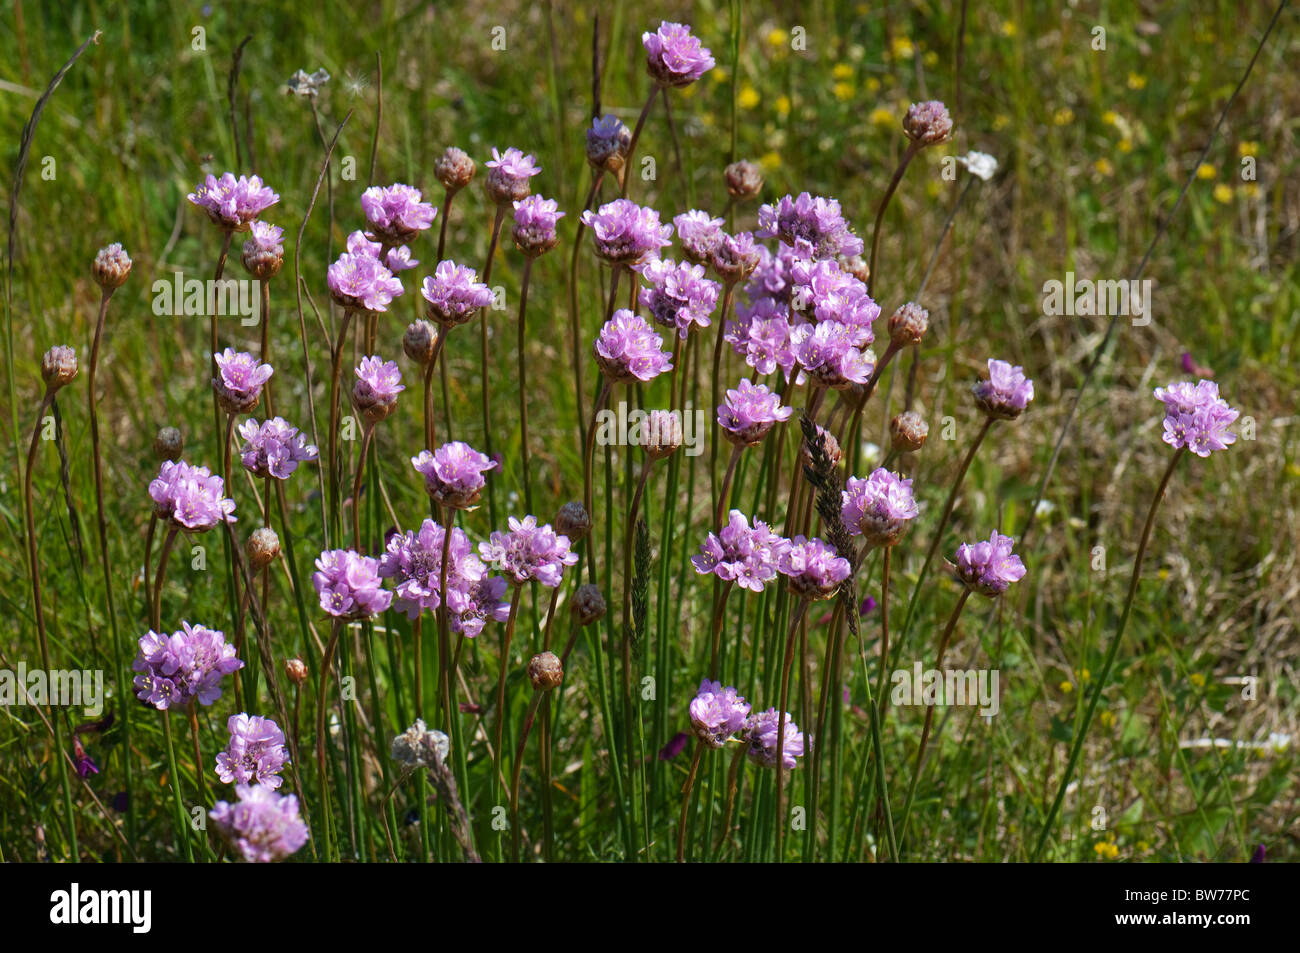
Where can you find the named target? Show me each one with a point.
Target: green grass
(1093, 147)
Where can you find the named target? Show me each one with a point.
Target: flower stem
(575, 322)
(39, 612)
(336, 369)
(506, 639)
(483, 357)
(636, 134)
(799, 611)
(322, 688)
(173, 778)
(1112, 651)
(929, 716)
(523, 385)
(913, 147)
(686, 801)
(366, 436)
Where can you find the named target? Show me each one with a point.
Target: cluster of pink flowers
(1196, 417)
(262, 825)
(190, 497)
(188, 665)
(740, 553)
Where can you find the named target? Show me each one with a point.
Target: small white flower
(979, 164)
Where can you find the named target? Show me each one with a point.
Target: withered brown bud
(169, 444)
(908, 431)
(661, 434)
(857, 267)
(588, 604)
(545, 671)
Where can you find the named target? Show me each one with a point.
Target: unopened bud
(907, 325)
(454, 169)
(169, 444)
(661, 434)
(573, 521)
(58, 366)
(262, 547)
(296, 670)
(588, 604)
(928, 122)
(420, 341)
(545, 671)
(744, 179)
(112, 266)
(908, 432)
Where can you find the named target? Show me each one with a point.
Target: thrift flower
(674, 57)
(255, 754)
(529, 552)
(262, 825)
(717, 713)
(627, 347)
(739, 553)
(453, 474)
(274, 448)
(749, 412)
(815, 568)
(763, 731)
(233, 203)
(454, 295)
(1196, 417)
(625, 233)
(1007, 392)
(989, 568)
(175, 669)
(879, 508)
(349, 585)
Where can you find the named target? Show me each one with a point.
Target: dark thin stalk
(483, 358)
(686, 801)
(913, 147)
(523, 385)
(636, 134)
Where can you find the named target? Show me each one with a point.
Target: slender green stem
(174, 779)
(799, 611)
(686, 801)
(524, 396)
(1081, 734)
(486, 388)
(636, 134)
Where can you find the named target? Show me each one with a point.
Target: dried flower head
(907, 325)
(295, 669)
(418, 747)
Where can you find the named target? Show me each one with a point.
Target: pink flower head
(767, 742)
(878, 508)
(717, 713)
(1196, 417)
(233, 203)
(529, 552)
(414, 561)
(239, 380)
(262, 825)
(990, 567)
(762, 335)
(508, 175)
(815, 568)
(173, 670)
(1007, 392)
(627, 347)
(675, 57)
(274, 448)
(749, 412)
(827, 352)
(813, 225)
(349, 585)
(396, 215)
(255, 754)
(190, 497)
(625, 233)
(398, 259)
(378, 383)
(360, 282)
(739, 553)
(678, 296)
(699, 234)
(454, 294)
(453, 474)
(535, 222)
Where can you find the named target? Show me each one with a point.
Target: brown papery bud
(169, 444)
(744, 179)
(262, 548)
(454, 169)
(545, 671)
(296, 670)
(908, 432)
(588, 604)
(573, 521)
